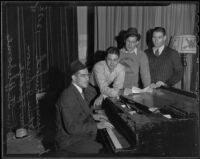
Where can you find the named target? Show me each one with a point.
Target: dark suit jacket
(74, 119)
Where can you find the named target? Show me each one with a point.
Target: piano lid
(163, 97)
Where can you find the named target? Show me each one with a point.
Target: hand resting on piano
(128, 91)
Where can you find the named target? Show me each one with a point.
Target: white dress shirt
(79, 89)
(160, 49)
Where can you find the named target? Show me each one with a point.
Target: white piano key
(114, 139)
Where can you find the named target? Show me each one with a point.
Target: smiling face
(158, 39)
(131, 43)
(81, 78)
(112, 61)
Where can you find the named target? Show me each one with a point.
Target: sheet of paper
(138, 90)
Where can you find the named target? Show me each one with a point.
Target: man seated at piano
(76, 126)
(107, 76)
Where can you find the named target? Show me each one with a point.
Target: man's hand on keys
(104, 124)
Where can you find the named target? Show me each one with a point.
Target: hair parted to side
(160, 29)
(112, 50)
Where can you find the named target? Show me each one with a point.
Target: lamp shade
(184, 43)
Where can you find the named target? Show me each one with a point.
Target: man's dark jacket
(74, 119)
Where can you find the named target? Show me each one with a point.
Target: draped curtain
(176, 18)
(39, 42)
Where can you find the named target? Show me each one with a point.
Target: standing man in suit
(165, 63)
(76, 126)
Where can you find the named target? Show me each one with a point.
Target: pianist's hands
(104, 125)
(100, 117)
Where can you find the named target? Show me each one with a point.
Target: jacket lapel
(83, 103)
(164, 51)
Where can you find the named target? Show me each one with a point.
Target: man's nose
(113, 62)
(87, 78)
(156, 40)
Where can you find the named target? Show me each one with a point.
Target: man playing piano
(76, 126)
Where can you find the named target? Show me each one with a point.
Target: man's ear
(73, 77)
(165, 37)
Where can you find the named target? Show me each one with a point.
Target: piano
(164, 122)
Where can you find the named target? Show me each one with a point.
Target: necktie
(157, 52)
(82, 95)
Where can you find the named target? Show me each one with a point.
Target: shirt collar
(160, 49)
(79, 88)
(134, 51)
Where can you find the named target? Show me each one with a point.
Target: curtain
(39, 42)
(176, 18)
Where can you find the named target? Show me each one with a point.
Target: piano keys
(159, 123)
(114, 139)
(117, 142)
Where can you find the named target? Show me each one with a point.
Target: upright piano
(164, 122)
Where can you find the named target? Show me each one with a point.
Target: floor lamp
(184, 44)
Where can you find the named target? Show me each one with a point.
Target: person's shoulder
(65, 95)
(142, 53)
(171, 51)
(100, 64)
(120, 66)
(67, 91)
(147, 50)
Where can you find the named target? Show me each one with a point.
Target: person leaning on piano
(76, 125)
(107, 78)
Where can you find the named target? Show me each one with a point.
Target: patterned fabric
(166, 68)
